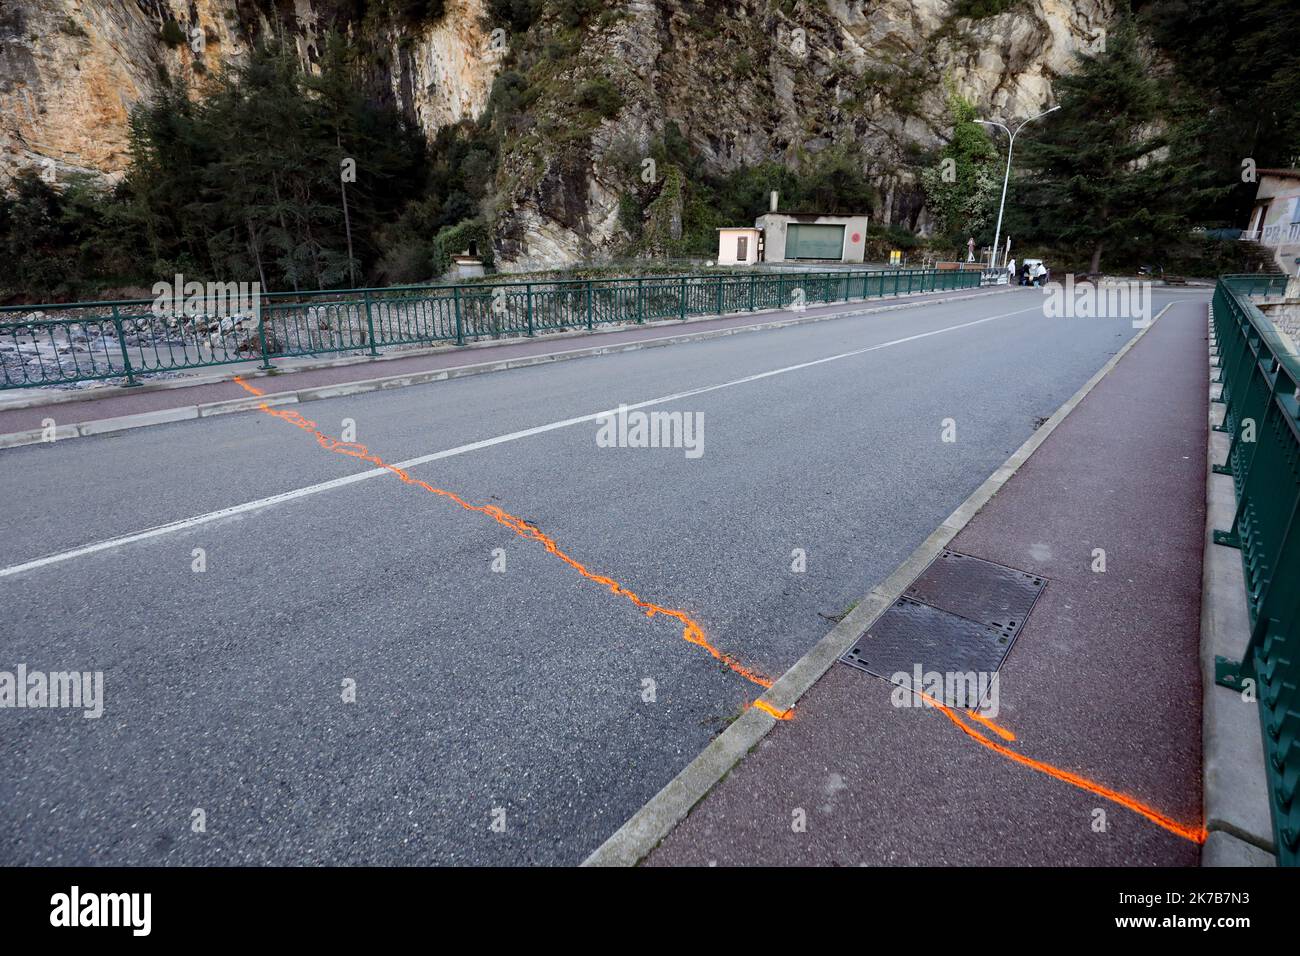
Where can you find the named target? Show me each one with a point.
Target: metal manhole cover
(960, 615)
(980, 590)
(912, 634)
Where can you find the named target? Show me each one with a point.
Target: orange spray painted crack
(1196, 834)
(981, 719)
(692, 632)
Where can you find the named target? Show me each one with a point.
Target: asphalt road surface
(500, 716)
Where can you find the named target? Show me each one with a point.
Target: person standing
(1011, 272)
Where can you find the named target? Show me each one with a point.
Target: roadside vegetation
(249, 180)
(1140, 167)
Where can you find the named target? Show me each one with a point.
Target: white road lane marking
(185, 523)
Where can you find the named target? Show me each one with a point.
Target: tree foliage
(249, 182)
(961, 186)
(1105, 172)
(834, 181)
(1238, 75)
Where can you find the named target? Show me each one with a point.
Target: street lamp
(1011, 142)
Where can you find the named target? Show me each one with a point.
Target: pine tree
(1099, 175)
(245, 183)
(1236, 73)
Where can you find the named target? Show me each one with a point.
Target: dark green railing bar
(261, 344)
(370, 325)
(126, 356)
(460, 327)
(1260, 373)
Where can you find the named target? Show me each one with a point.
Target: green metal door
(814, 241)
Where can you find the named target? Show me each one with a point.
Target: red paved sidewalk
(133, 401)
(1103, 681)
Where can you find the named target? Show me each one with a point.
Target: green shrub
(600, 96)
(405, 262)
(172, 34)
(458, 238)
(630, 213)
(574, 13)
(518, 15)
(979, 9)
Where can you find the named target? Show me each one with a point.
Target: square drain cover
(912, 633)
(961, 614)
(980, 590)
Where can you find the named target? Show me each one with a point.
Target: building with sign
(1275, 218)
(794, 237)
(812, 237)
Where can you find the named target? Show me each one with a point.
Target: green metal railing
(1259, 370)
(91, 341)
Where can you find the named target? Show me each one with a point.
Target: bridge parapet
(1259, 372)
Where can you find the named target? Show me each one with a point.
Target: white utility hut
(793, 237)
(738, 245)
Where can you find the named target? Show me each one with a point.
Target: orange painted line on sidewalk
(692, 631)
(769, 709)
(981, 719)
(1195, 834)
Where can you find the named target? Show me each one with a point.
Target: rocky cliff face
(68, 78)
(749, 81)
(71, 70)
(745, 81)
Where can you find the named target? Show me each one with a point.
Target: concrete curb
(1235, 787)
(648, 826)
(181, 413)
(1224, 849)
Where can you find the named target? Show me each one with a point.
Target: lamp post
(1011, 142)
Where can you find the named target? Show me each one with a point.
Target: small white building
(1275, 220)
(738, 246)
(813, 236)
(466, 266)
(794, 236)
